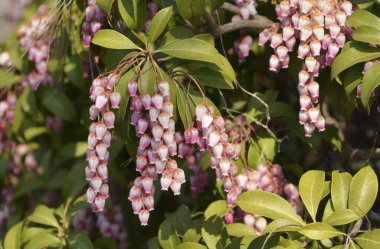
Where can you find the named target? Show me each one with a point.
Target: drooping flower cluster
(152, 118)
(110, 224)
(102, 93)
(94, 21)
(35, 39)
(321, 29)
(267, 177)
(198, 178)
(152, 8)
(247, 9)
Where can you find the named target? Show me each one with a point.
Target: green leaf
(43, 215)
(109, 38)
(74, 181)
(363, 18)
(8, 78)
(184, 108)
(206, 37)
(194, 234)
(209, 77)
(153, 243)
(341, 217)
(73, 150)
(105, 5)
(355, 53)
(190, 9)
(182, 220)
(58, 103)
(147, 79)
(352, 78)
(178, 32)
(371, 80)
(167, 235)
(311, 187)
(74, 71)
(81, 241)
(159, 22)
(319, 231)
(122, 88)
(363, 191)
(282, 109)
(367, 34)
(370, 239)
(218, 208)
(133, 12)
(214, 233)
(13, 236)
(340, 187)
(281, 225)
(43, 240)
(191, 49)
(33, 132)
(191, 245)
(239, 230)
(269, 205)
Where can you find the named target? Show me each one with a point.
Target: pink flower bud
(217, 150)
(303, 77)
(104, 190)
(224, 166)
(200, 111)
(179, 175)
(175, 186)
(313, 88)
(249, 220)
(231, 197)
(144, 142)
(94, 112)
(191, 135)
(295, 19)
(92, 140)
(100, 130)
(157, 100)
(141, 162)
(89, 173)
(288, 33)
(102, 171)
(183, 149)
(134, 192)
(305, 102)
(93, 162)
(309, 129)
(166, 180)
(290, 44)
(207, 120)
(228, 218)
(95, 27)
(315, 47)
(276, 40)
(334, 30)
(109, 119)
(146, 101)
(306, 33)
(101, 151)
(346, 6)
(90, 195)
(281, 52)
(320, 124)
(101, 101)
(135, 117)
(168, 108)
(333, 50)
(317, 17)
(163, 152)
(274, 63)
(168, 137)
(310, 63)
(147, 184)
(142, 126)
(327, 40)
(149, 202)
(263, 38)
(303, 117)
(260, 224)
(164, 88)
(214, 138)
(137, 205)
(132, 88)
(144, 217)
(96, 183)
(153, 114)
(164, 119)
(313, 114)
(329, 20)
(341, 18)
(340, 40)
(115, 98)
(303, 50)
(303, 21)
(306, 6)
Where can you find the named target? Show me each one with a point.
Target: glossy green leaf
(283, 110)
(13, 236)
(269, 205)
(34, 132)
(340, 187)
(167, 235)
(81, 241)
(363, 191)
(191, 245)
(311, 187)
(105, 5)
(73, 150)
(190, 9)
(209, 77)
(370, 239)
(367, 34)
(194, 233)
(363, 18)
(58, 103)
(109, 38)
(184, 106)
(239, 230)
(281, 225)
(352, 78)
(133, 12)
(206, 37)
(341, 217)
(159, 22)
(182, 220)
(147, 79)
(355, 53)
(214, 233)
(122, 88)
(43, 215)
(319, 231)
(8, 78)
(218, 208)
(43, 240)
(191, 49)
(371, 80)
(176, 33)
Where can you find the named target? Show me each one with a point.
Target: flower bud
(90, 195)
(109, 119)
(144, 217)
(274, 63)
(146, 101)
(132, 88)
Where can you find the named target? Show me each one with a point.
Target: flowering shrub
(159, 124)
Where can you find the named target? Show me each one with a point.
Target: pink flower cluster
(35, 38)
(198, 178)
(94, 21)
(247, 9)
(152, 118)
(152, 10)
(321, 28)
(267, 177)
(101, 93)
(110, 224)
